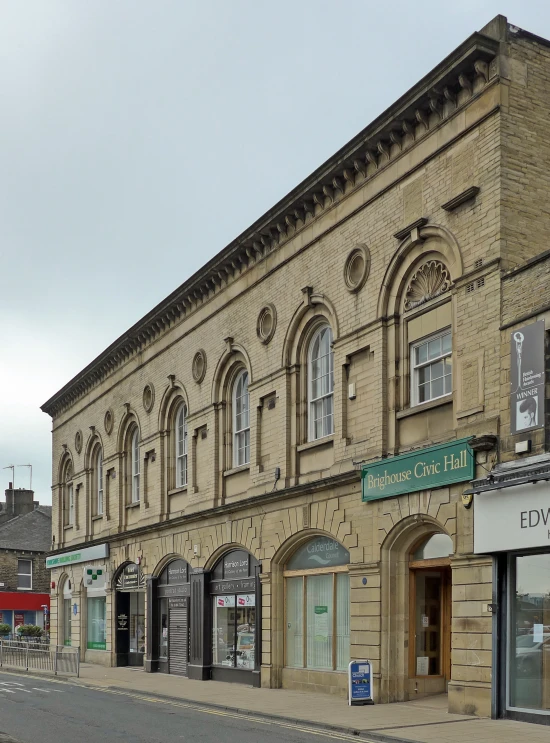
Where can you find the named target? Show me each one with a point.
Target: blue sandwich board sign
(360, 682)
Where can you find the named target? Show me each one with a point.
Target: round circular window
(78, 441)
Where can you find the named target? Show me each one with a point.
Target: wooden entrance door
(430, 622)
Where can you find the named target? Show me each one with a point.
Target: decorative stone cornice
(448, 87)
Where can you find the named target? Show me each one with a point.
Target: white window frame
(99, 484)
(313, 402)
(180, 439)
(416, 367)
(134, 466)
(241, 434)
(19, 573)
(70, 504)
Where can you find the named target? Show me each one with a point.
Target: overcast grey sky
(138, 138)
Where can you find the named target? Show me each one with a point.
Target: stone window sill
(424, 406)
(318, 442)
(178, 491)
(68, 526)
(133, 505)
(98, 517)
(240, 468)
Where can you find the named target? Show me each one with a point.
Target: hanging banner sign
(527, 378)
(423, 469)
(360, 682)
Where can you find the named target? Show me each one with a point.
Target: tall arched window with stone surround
(321, 384)
(429, 331)
(97, 482)
(180, 444)
(241, 420)
(68, 495)
(134, 467)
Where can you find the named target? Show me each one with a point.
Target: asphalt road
(39, 710)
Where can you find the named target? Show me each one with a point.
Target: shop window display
(234, 607)
(529, 636)
(97, 634)
(234, 631)
(137, 622)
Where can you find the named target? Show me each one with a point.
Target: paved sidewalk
(424, 720)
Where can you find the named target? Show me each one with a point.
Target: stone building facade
(210, 515)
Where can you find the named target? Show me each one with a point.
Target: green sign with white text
(423, 469)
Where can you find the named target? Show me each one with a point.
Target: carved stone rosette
(431, 280)
(356, 268)
(198, 368)
(266, 324)
(109, 421)
(148, 397)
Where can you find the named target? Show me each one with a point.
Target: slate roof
(31, 532)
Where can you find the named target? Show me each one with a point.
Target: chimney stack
(19, 502)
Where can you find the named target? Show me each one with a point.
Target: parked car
(529, 650)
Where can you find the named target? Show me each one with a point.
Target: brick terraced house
(272, 472)
(25, 538)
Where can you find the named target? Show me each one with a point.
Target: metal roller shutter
(179, 641)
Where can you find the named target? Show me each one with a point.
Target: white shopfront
(513, 524)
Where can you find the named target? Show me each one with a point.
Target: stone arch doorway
(416, 609)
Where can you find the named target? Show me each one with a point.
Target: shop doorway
(130, 616)
(173, 595)
(430, 610)
(179, 638)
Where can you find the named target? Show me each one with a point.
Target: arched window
(318, 606)
(321, 384)
(99, 483)
(241, 420)
(180, 439)
(134, 466)
(436, 545)
(68, 496)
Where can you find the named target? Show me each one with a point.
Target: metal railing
(39, 656)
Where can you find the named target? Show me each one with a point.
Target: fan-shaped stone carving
(431, 280)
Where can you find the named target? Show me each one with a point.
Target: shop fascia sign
(512, 518)
(87, 554)
(423, 469)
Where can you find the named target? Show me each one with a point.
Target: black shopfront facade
(168, 626)
(207, 624)
(130, 615)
